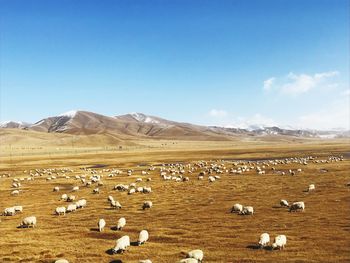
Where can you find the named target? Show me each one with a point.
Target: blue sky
(229, 63)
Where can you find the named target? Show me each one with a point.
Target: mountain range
(144, 126)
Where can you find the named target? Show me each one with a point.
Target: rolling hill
(142, 126)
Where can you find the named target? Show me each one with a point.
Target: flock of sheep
(174, 172)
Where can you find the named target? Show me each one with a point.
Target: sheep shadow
(254, 247)
(278, 207)
(134, 244)
(114, 228)
(116, 261)
(24, 226)
(258, 247)
(110, 252)
(95, 229)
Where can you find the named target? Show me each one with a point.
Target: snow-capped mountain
(147, 126)
(14, 124)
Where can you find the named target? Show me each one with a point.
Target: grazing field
(186, 215)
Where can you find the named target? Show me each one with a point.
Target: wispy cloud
(334, 114)
(296, 84)
(268, 83)
(346, 92)
(217, 113)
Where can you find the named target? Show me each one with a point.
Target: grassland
(186, 215)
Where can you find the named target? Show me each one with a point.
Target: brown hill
(141, 126)
(126, 127)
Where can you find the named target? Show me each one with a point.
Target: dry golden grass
(187, 215)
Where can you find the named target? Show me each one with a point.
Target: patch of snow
(70, 114)
(138, 116)
(253, 127)
(38, 123)
(327, 136)
(290, 127)
(4, 124)
(143, 118)
(150, 120)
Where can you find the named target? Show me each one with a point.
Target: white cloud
(326, 74)
(335, 115)
(268, 83)
(217, 113)
(294, 84)
(298, 84)
(303, 83)
(331, 113)
(346, 92)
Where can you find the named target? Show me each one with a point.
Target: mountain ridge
(141, 125)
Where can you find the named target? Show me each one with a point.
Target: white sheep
(196, 254)
(297, 206)
(311, 187)
(75, 188)
(10, 211)
(211, 179)
(81, 203)
(145, 261)
(284, 203)
(29, 221)
(64, 197)
(110, 198)
(147, 204)
(71, 198)
(18, 208)
(147, 190)
(71, 208)
(280, 242)
(116, 204)
(121, 244)
(15, 192)
(247, 210)
(61, 210)
(121, 223)
(131, 191)
(56, 189)
(264, 240)
(143, 237)
(101, 224)
(237, 208)
(96, 191)
(61, 261)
